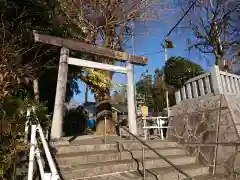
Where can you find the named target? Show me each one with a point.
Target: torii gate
(66, 44)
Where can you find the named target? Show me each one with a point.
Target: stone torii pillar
(131, 100)
(57, 122)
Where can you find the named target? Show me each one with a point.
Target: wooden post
(86, 93)
(56, 131)
(216, 80)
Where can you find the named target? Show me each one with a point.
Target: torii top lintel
(91, 49)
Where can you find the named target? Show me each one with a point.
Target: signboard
(144, 110)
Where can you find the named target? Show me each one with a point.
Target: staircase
(120, 159)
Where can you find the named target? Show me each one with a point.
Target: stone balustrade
(210, 83)
(230, 83)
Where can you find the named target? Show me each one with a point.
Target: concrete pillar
(178, 96)
(131, 103)
(216, 80)
(57, 122)
(189, 91)
(195, 90)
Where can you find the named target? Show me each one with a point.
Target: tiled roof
(118, 107)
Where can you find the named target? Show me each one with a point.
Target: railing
(35, 152)
(212, 161)
(214, 82)
(230, 83)
(158, 124)
(187, 176)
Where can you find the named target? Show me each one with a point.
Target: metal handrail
(211, 143)
(157, 125)
(153, 150)
(157, 117)
(35, 151)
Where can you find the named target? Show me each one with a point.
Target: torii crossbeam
(66, 44)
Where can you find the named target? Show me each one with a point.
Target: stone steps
(164, 173)
(209, 177)
(91, 159)
(65, 159)
(125, 144)
(95, 169)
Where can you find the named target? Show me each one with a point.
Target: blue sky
(149, 45)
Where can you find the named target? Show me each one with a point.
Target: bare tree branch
(211, 23)
(104, 17)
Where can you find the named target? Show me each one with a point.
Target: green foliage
(75, 121)
(178, 70)
(13, 118)
(152, 89)
(47, 86)
(18, 20)
(98, 80)
(144, 88)
(159, 92)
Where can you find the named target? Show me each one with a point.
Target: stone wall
(196, 121)
(234, 107)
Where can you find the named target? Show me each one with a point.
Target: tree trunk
(86, 93)
(36, 90)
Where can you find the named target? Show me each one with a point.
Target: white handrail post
(144, 128)
(48, 154)
(48, 176)
(27, 126)
(216, 80)
(40, 164)
(32, 152)
(105, 130)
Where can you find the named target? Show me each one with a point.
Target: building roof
(72, 104)
(90, 106)
(122, 108)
